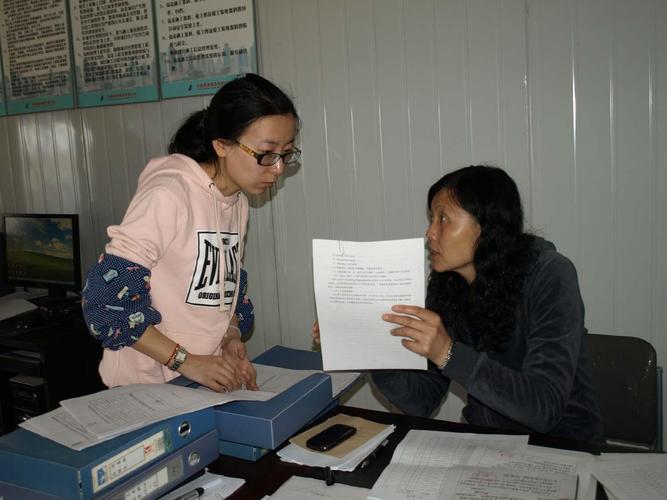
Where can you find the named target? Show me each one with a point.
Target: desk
(265, 476)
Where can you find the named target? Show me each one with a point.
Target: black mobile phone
(330, 437)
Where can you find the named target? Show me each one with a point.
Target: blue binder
(170, 471)
(250, 429)
(275, 421)
(30, 461)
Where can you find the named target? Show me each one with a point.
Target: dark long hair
(231, 111)
(486, 308)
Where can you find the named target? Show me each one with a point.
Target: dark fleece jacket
(539, 383)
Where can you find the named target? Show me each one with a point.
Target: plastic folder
(30, 461)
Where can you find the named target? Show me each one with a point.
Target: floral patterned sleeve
(117, 301)
(244, 308)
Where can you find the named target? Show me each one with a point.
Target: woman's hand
(234, 352)
(423, 331)
(316, 332)
(214, 372)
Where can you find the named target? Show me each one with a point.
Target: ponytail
(234, 107)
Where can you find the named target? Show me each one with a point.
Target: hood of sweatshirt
(181, 179)
(185, 168)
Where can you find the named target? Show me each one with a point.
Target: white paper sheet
(276, 379)
(630, 476)
(306, 488)
(296, 454)
(474, 482)
(416, 468)
(216, 487)
(355, 283)
(88, 420)
(59, 426)
(10, 307)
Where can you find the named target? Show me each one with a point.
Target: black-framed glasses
(269, 159)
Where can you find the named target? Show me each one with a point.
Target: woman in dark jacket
(504, 317)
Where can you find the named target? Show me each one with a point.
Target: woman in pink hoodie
(163, 296)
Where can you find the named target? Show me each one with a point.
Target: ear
(221, 147)
(478, 233)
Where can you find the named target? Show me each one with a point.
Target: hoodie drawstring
(221, 258)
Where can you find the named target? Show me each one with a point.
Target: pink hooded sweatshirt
(175, 225)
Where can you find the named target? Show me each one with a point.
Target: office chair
(628, 382)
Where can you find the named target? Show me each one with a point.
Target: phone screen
(330, 437)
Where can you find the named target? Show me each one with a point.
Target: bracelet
(173, 353)
(450, 353)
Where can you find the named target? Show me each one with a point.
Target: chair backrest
(625, 376)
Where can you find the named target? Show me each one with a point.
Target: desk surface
(266, 475)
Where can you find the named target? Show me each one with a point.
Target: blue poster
(114, 51)
(34, 39)
(203, 44)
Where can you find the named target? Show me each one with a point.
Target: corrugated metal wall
(569, 96)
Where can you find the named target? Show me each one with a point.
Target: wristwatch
(179, 358)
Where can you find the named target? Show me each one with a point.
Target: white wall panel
(550, 83)
(568, 95)
(658, 96)
(593, 156)
(633, 171)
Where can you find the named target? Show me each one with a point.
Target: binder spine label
(122, 464)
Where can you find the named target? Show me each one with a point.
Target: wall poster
(35, 47)
(203, 43)
(114, 51)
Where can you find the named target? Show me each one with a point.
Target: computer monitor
(42, 251)
(5, 288)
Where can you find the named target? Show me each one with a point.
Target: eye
(443, 218)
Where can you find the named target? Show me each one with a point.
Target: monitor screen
(42, 251)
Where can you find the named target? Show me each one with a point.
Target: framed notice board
(114, 51)
(35, 44)
(203, 44)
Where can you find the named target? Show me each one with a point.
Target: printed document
(441, 465)
(355, 283)
(275, 379)
(629, 476)
(89, 420)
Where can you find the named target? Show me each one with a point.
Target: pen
(373, 455)
(196, 493)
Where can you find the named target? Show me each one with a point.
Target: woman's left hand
(423, 331)
(234, 352)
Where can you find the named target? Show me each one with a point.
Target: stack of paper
(444, 465)
(346, 456)
(89, 420)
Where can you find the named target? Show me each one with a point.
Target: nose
(430, 231)
(279, 167)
